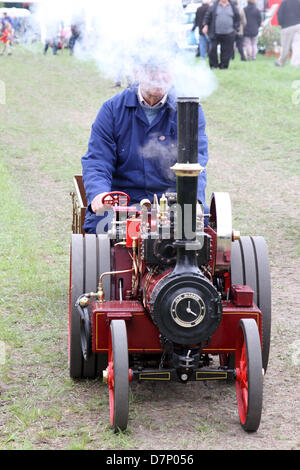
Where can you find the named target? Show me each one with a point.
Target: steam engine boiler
(170, 293)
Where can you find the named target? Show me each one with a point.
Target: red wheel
(249, 378)
(116, 198)
(89, 257)
(250, 266)
(118, 375)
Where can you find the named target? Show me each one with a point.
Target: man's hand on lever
(97, 204)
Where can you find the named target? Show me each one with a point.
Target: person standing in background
(221, 21)
(204, 40)
(253, 18)
(52, 37)
(6, 18)
(289, 19)
(6, 37)
(76, 36)
(239, 37)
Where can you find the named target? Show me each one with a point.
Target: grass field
(253, 122)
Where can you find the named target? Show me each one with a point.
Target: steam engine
(170, 251)
(170, 289)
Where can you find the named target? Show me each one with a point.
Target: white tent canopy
(15, 12)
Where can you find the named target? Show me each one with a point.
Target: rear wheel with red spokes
(249, 378)
(118, 375)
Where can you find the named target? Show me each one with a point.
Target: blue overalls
(126, 153)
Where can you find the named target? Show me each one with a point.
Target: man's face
(154, 82)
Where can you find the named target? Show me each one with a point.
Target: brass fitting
(84, 301)
(236, 235)
(100, 293)
(145, 203)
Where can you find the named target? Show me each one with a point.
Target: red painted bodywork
(143, 335)
(132, 231)
(242, 296)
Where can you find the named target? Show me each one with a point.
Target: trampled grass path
(253, 128)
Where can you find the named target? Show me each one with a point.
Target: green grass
(51, 103)
(256, 106)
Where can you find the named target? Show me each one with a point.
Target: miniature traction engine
(165, 295)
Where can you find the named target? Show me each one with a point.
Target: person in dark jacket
(239, 36)
(221, 22)
(204, 40)
(133, 144)
(6, 18)
(253, 18)
(289, 19)
(75, 36)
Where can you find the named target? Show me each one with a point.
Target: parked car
(185, 39)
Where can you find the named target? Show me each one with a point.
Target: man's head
(155, 81)
(154, 65)
(154, 78)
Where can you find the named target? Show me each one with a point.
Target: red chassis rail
(143, 335)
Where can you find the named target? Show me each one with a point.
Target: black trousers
(226, 42)
(239, 41)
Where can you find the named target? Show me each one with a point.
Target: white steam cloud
(119, 35)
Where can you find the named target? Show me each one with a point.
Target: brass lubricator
(100, 293)
(163, 208)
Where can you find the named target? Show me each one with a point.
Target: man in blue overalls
(133, 144)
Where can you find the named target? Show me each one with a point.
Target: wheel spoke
(244, 355)
(245, 398)
(111, 405)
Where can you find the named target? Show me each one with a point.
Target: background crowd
(223, 27)
(223, 24)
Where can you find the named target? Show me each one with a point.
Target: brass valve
(236, 235)
(84, 301)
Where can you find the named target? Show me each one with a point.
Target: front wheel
(118, 375)
(249, 377)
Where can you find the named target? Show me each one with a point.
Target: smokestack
(187, 170)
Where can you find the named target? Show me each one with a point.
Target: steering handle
(113, 198)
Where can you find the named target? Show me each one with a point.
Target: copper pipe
(114, 272)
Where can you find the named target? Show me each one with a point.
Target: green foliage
(269, 38)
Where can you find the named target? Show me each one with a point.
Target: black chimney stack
(187, 170)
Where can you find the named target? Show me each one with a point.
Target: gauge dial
(188, 309)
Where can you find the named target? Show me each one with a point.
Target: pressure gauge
(188, 309)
